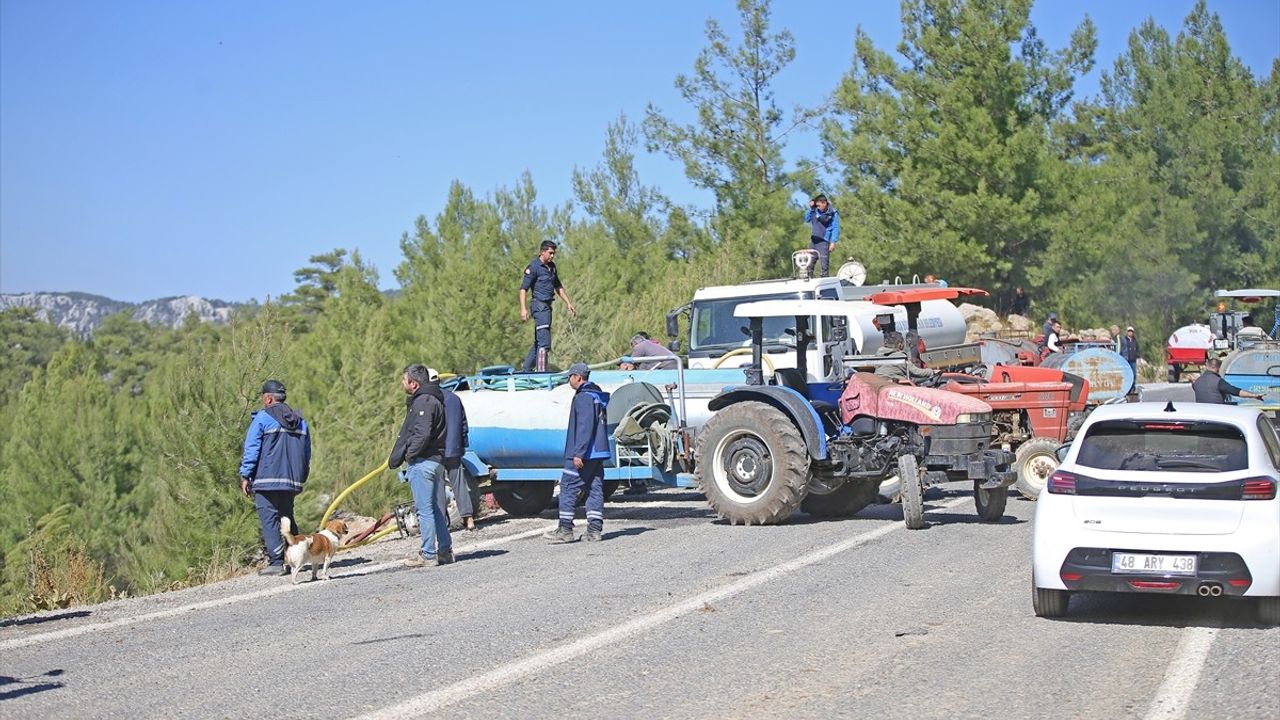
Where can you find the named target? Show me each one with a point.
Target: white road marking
(40, 638)
(435, 700)
(1180, 678)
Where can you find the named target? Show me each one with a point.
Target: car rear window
(1164, 446)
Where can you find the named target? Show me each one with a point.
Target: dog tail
(287, 531)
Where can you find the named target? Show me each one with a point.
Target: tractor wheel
(911, 480)
(990, 502)
(752, 464)
(845, 500)
(524, 499)
(1035, 461)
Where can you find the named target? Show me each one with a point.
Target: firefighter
(540, 277)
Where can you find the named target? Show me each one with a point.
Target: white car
(1170, 498)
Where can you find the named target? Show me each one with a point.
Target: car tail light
(1263, 488)
(1239, 582)
(1062, 483)
(1154, 584)
(1071, 576)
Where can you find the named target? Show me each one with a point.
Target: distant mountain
(82, 313)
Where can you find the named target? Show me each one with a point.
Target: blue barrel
(1256, 369)
(1109, 375)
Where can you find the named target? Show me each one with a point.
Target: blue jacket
(588, 437)
(455, 427)
(825, 225)
(277, 450)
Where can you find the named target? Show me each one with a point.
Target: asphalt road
(675, 615)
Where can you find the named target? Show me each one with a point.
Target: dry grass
(64, 577)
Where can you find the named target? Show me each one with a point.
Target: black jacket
(422, 434)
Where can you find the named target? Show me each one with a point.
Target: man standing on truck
(586, 447)
(541, 278)
(824, 229)
(1211, 388)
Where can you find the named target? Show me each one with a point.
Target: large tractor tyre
(1035, 461)
(752, 463)
(911, 480)
(524, 499)
(844, 501)
(1049, 603)
(990, 502)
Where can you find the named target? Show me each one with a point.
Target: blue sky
(164, 148)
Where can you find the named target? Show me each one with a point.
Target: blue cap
(580, 369)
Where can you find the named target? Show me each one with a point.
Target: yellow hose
(343, 495)
(743, 351)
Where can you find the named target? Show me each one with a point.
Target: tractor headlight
(967, 418)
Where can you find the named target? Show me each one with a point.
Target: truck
(787, 441)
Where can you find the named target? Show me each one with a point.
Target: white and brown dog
(311, 549)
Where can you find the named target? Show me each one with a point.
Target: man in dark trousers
(273, 467)
(586, 447)
(1211, 388)
(541, 279)
(1021, 304)
(421, 444)
(455, 446)
(824, 229)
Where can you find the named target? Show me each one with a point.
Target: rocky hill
(82, 313)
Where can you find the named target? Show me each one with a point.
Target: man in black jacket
(421, 445)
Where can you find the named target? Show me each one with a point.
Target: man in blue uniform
(586, 447)
(824, 229)
(541, 280)
(273, 467)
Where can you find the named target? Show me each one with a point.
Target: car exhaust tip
(1203, 591)
(1209, 590)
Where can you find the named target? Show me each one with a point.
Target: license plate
(1145, 564)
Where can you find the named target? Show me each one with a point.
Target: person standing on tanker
(586, 448)
(1211, 388)
(273, 467)
(824, 229)
(541, 279)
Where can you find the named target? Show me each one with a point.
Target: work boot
(593, 535)
(417, 559)
(444, 557)
(273, 571)
(560, 535)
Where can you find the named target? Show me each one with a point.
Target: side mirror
(674, 347)
(1061, 452)
(673, 324)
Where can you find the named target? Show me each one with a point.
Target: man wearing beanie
(586, 447)
(273, 467)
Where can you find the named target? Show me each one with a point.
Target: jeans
(273, 505)
(571, 482)
(426, 480)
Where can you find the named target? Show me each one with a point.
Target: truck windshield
(714, 328)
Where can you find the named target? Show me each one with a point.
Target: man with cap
(824, 229)
(1129, 351)
(586, 447)
(541, 279)
(273, 467)
(421, 446)
(1211, 388)
(455, 446)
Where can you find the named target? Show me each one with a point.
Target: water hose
(743, 351)
(343, 496)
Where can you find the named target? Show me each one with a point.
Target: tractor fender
(789, 401)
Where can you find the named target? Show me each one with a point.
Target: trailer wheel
(1175, 371)
(1035, 461)
(524, 499)
(610, 487)
(990, 502)
(845, 500)
(752, 463)
(911, 479)
(1048, 602)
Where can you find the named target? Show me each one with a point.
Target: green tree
(317, 283)
(947, 156)
(26, 343)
